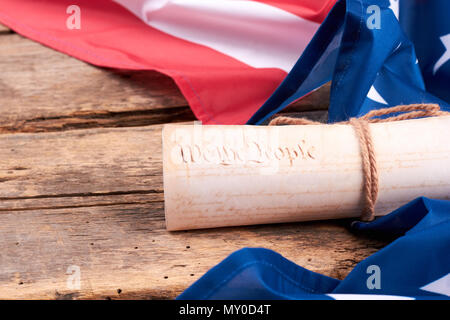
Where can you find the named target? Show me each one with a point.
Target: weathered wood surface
(93, 197)
(44, 90)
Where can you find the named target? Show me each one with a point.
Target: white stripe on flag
(257, 34)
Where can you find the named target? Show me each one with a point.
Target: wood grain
(93, 198)
(42, 90)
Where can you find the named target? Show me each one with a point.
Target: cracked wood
(44, 90)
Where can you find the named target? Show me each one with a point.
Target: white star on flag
(375, 96)
(394, 7)
(446, 56)
(440, 286)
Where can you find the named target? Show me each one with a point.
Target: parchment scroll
(218, 176)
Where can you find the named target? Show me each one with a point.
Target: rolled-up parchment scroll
(217, 176)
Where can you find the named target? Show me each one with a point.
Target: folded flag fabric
(427, 25)
(226, 56)
(364, 50)
(370, 68)
(414, 266)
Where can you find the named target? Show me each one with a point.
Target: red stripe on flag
(313, 10)
(219, 89)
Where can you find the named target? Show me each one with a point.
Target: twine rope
(362, 129)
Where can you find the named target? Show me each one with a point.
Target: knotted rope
(362, 129)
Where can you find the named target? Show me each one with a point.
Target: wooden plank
(42, 90)
(93, 198)
(127, 248)
(80, 164)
